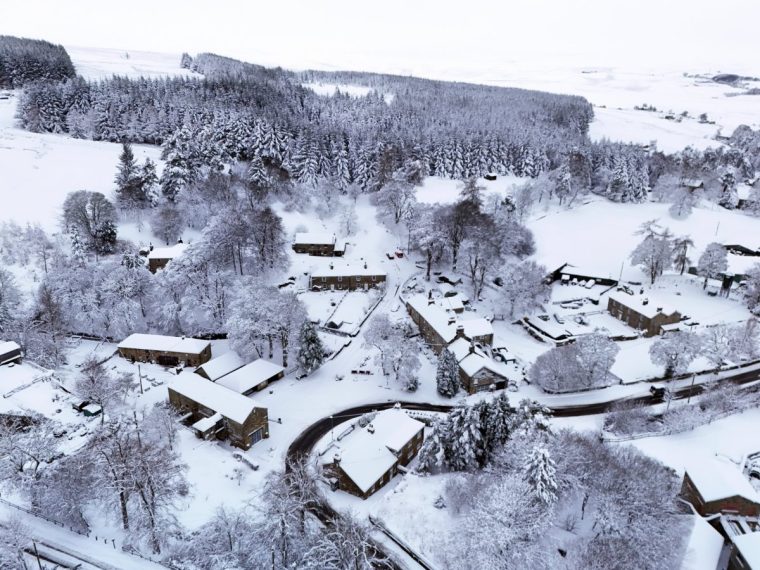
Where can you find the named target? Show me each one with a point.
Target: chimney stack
(472, 347)
(370, 428)
(645, 302)
(336, 458)
(430, 298)
(460, 331)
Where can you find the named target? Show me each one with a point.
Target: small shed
(159, 257)
(10, 352)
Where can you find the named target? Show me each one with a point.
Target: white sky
(426, 37)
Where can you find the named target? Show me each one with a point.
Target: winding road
(304, 444)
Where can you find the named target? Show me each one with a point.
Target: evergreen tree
(78, 255)
(432, 453)
(149, 182)
(540, 473)
(105, 238)
(128, 180)
(466, 450)
(311, 352)
(447, 374)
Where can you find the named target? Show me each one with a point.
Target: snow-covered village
(278, 303)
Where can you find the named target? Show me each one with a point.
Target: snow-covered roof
(249, 376)
(205, 424)
(366, 456)
(169, 252)
(472, 362)
(8, 346)
(455, 303)
(587, 271)
(740, 264)
(646, 304)
(704, 547)
(445, 322)
(221, 365)
(719, 479)
(314, 238)
(162, 343)
(346, 269)
(748, 546)
(221, 400)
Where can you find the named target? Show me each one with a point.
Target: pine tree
(129, 188)
(498, 422)
(431, 455)
(447, 374)
(78, 255)
(149, 182)
(466, 450)
(311, 353)
(540, 472)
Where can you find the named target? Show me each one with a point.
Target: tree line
(23, 61)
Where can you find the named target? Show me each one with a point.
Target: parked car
(543, 317)
(559, 319)
(390, 256)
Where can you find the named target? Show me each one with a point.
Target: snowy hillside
(39, 170)
(100, 63)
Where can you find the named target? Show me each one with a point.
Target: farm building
(642, 312)
(369, 457)
(159, 257)
(317, 243)
(347, 276)
(252, 377)
(10, 352)
(214, 411)
(220, 366)
(439, 326)
(165, 350)
(720, 487)
(572, 274)
(479, 372)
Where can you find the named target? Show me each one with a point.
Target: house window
(257, 436)
(374, 278)
(340, 279)
(324, 279)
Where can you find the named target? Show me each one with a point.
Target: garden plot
(339, 310)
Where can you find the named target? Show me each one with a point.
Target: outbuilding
(10, 352)
(165, 350)
(214, 411)
(252, 377)
(159, 257)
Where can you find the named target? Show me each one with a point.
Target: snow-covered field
(437, 190)
(101, 63)
(37, 170)
(733, 437)
(615, 91)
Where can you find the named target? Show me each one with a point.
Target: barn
(216, 412)
(252, 377)
(165, 350)
(220, 366)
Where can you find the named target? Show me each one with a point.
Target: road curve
(304, 444)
